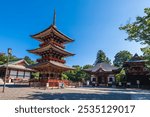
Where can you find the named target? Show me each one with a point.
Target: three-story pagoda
(52, 52)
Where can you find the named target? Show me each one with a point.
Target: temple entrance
(100, 80)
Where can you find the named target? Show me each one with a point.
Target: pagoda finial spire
(54, 18)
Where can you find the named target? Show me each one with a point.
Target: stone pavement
(20, 92)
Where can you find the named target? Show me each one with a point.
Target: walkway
(27, 93)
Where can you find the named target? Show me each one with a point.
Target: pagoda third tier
(52, 34)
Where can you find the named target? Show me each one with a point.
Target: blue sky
(93, 24)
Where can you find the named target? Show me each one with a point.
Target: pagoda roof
(106, 67)
(51, 64)
(136, 58)
(47, 31)
(58, 49)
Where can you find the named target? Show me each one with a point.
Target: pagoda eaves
(49, 46)
(52, 29)
(50, 65)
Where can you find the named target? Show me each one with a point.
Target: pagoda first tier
(52, 52)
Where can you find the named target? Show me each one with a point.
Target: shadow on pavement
(77, 96)
(16, 85)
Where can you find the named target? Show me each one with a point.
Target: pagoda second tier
(52, 33)
(50, 49)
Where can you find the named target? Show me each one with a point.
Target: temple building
(136, 72)
(16, 70)
(102, 74)
(51, 50)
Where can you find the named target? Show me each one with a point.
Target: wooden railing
(54, 83)
(57, 44)
(51, 58)
(53, 42)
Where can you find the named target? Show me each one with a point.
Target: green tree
(121, 57)
(78, 74)
(35, 75)
(120, 77)
(87, 66)
(14, 58)
(86, 76)
(101, 57)
(29, 61)
(3, 58)
(146, 55)
(64, 76)
(139, 30)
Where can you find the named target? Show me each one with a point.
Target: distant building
(16, 70)
(102, 74)
(136, 71)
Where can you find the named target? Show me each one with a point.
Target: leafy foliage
(146, 55)
(29, 61)
(120, 77)
(87, 66)
(121, 57)
(139, 30)
(78, 74)
(3, 58)
(35, 75)
(14, 58)
(64, 76)
(101, 57)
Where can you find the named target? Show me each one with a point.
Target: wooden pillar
(9, 72)
(17, 74)
(106, 79)
(8, 75)
(24, 75)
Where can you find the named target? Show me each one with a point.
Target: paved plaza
(18, 92)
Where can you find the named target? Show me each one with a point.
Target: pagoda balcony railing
(39, 60)
(137, 71)
(57, 44)
(43, 44)
(51, 58)
(53, 42)
(58, 60)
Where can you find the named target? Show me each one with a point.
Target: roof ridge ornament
(54, 18)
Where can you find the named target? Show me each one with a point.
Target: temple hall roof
(17, 65)
(106, 67)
